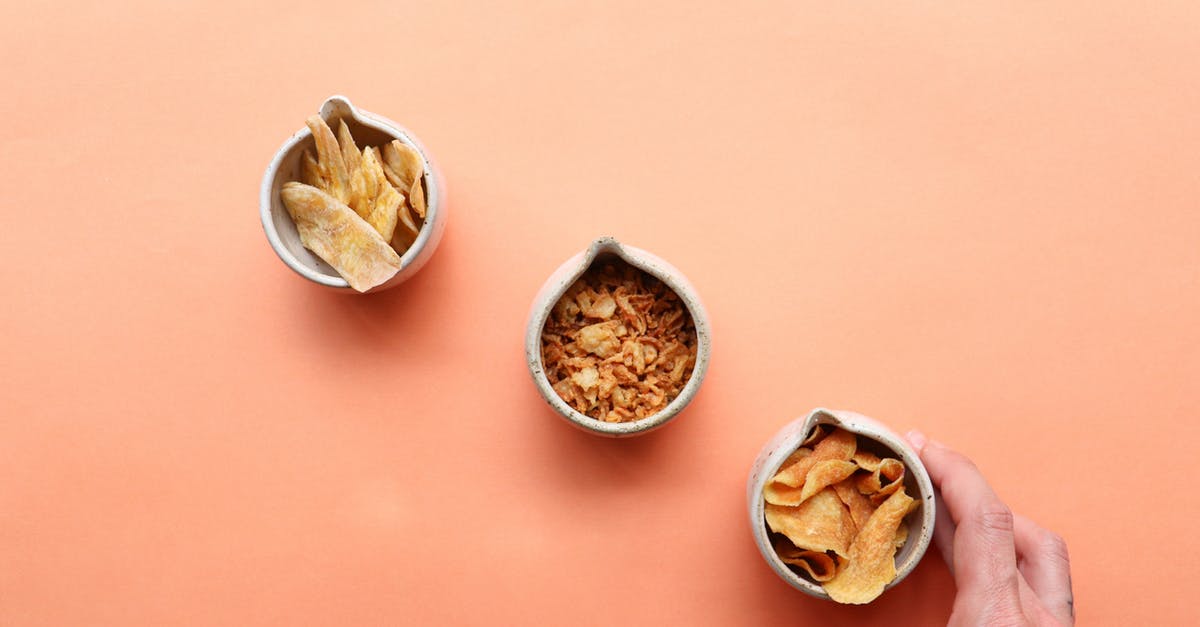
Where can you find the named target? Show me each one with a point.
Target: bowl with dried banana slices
(353, 201)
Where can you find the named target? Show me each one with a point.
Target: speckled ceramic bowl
(557, 285)
(368, 129)
(916, 483)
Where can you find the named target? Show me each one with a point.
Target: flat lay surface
(982, 222)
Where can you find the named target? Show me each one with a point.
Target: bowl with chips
(352, 201)
(840, 506)
(617, 341)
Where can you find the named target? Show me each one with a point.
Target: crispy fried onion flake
(619, 345)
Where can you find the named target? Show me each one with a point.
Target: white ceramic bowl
(916, 483)
(557, 285)
(368, 129)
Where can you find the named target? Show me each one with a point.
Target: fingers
(943, 525)
(984, 552)
(1046, 566)
(943, 533)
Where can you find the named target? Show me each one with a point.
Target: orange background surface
(982, 221)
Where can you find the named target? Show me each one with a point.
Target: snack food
(346, 192)
(838, 515)
(619, 345)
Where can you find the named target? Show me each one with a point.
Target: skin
(1008, 570)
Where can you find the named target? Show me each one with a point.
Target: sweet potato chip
(825, 474)
(339, 236)
(839, 496)
(889, 473)
(840, 444)
(819, 566)
(871, 560)
(821, 523)
(866, 460)
(859, 505)
(819, 432)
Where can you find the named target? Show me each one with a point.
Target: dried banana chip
(330, 160)
(350, 153)
(336, 234)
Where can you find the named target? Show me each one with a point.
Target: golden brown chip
(859, 505)
(901, 534)
(821, 523)
(825, 474)
(819, 566)
(330, 160)
(871, 560)
(339, 236)
(866, 460)
(819, 432)
(840, 444)
(889, 473)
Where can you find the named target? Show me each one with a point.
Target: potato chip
(838, 445)
(820, 523)
(871, 560)
(819, 566)
(901, 535)
(339, 236)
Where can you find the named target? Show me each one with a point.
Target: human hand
(1008, 570)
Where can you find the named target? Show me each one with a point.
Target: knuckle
(994, 516)
(1054, 546)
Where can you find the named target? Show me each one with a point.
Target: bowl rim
(335, 107)
(561, 279)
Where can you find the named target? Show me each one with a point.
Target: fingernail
(917, 439)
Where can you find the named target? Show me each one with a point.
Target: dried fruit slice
(350, 154)
(330, 160)
(872, 554)
(379, 200)
(310, 171)
(336, 234)
(404, 165)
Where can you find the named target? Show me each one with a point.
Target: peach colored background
(981, 221)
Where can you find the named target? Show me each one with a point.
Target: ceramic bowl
(368, 129)
(562, 279)
(916, 483)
